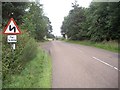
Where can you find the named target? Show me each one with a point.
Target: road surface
(79, 66)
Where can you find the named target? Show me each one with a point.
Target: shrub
(13, 61)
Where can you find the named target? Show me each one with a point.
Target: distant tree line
(100, 22)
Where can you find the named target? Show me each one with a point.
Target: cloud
(56, 10)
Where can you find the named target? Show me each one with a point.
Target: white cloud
(56, 10)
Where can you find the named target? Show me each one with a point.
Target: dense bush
(13, 61)
(30, 17)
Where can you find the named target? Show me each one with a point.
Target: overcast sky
(56, 10)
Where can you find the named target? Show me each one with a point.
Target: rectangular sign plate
(11, 38)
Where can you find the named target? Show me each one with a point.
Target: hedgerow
(13, 61)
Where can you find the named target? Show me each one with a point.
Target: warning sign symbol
(11, 28)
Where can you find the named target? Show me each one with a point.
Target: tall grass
(37, 74)
(111, 45)
(13, 61)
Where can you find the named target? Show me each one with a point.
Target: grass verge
(37, 73)
(110, 46)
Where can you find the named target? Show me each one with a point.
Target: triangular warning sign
(11, 28)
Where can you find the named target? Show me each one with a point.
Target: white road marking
(106, 63)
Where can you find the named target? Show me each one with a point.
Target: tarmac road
(79, 66)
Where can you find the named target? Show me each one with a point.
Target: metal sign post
(13, 53)
(12, 39)
(11, 30)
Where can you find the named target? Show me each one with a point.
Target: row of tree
(34, 26)
(99, 22)
(29, 16)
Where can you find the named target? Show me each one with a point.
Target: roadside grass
(36, 74)
(110, 46)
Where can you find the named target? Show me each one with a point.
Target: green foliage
(13, 10)
(13, 61)
(36, 23)
(37, 74)
(50, 35)
(111, 45)
(30, 16)
(100, 22)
